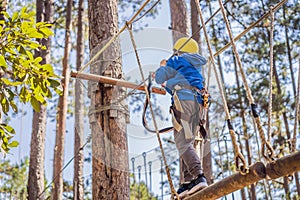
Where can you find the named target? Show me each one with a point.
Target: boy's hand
(163, 63)
(153, 75)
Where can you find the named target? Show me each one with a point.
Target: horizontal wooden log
(284, 166)
(231, 183)
(114, 81)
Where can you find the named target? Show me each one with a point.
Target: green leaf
(38, 60)
(48, 68)
(35, 104)
(8, 128)
(5, 140)
(46, 31)
(58, 91)
(33, 33)
(13, 144)
(8, 82)
(13, 106)
(2, 61)
(5, 105)
(53, 83)
(15, 16)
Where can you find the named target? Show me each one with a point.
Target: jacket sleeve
(164, 73)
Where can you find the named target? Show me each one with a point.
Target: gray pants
(190, 164)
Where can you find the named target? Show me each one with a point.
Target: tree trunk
(79, 111)
(109, 142)
(3, 5)
(36, 179)
(179, 19)
(195, 24)
(57, 191)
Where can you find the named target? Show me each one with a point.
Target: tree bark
(78, 186)
(195, 24)
(57, 191)
(109, 142)
(36, 179)
(179, 19)
(3, 5)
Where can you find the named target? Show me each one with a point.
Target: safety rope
(250, 27)
(115, 36)
(271, 74)
(265, 143)
(294, 140)
(146, 12)
(129, 27)
(238, 156)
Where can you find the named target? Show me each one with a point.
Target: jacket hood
(195, 59)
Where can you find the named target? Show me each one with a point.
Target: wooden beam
(114, 81)
(231, 183)
(284, 166)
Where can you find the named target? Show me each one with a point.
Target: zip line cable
(146, 12)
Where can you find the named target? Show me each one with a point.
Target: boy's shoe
(198, 184)
(183, 189)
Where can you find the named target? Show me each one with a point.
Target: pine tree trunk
(179, 18)
(3, 5)
(36, 179)
(57, 191)
(109, 142)
(79, 111)
(195, 22)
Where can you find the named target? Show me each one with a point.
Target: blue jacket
(185, 69)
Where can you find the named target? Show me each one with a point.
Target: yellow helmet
(187, 45)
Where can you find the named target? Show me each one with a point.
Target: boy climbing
(182, 77)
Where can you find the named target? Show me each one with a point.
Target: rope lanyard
(271, 74)
(264, 142)
(237, 154)
(129, 27)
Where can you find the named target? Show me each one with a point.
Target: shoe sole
(196, 188)
(181, 195)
